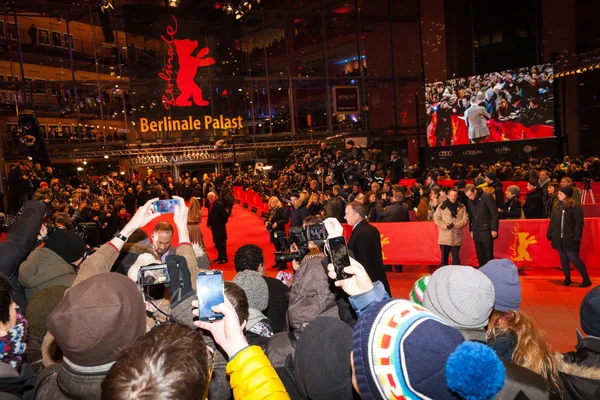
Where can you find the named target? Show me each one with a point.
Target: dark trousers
(220, 239)
(485, 252)
(446, 253)
(229, 209)
(278, 245)
(568, 257)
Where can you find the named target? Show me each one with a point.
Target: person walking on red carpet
(217, 223)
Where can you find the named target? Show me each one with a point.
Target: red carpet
(555, 308)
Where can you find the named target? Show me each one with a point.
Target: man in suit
(365, 243)
(483, 222)
(216, 222)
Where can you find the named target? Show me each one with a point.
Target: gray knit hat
(514, 190)
(255, 287)
(461, 295)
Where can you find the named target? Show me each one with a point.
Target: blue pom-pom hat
(400, 351)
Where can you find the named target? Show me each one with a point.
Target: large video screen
(494, 107)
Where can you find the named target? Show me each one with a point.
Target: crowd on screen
(524, 95)
(75, 322)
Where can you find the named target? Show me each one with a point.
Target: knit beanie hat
(461, 184)
(255, 287)
(462, 296)
(479, 181)
(567, 190)
(418, 289)
(394, 357)
(66, 244)
(322, 360)
(98, 318)
(514, 190)
(589, 312)
(504, 275)
(40, 306)
(491, 175)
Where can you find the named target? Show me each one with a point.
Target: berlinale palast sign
(182, 91)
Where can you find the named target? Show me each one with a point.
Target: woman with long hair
(275, 224)
(423, 207)
(565, 231)
(193, 222)
(551, 199)
(314, 205)
(516, 338)
(371, 206)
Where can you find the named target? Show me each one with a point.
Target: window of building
(496, 37)
(484, 39)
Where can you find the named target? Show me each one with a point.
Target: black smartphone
(210, 294)
(165, 206)
(338, 256)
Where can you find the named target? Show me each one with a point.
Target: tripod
(587, 193)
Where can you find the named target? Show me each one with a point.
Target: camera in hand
(152, 280)
(300, 237)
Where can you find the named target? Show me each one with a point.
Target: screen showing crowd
(493, 107)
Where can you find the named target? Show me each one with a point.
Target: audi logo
(445, 153)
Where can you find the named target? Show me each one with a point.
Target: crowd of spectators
(75, 321)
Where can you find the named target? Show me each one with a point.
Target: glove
(180, 283)
(334, 228)
(450, 226)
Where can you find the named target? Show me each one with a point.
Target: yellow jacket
(253, 378)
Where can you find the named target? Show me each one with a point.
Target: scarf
(453, 207)
(13, 346)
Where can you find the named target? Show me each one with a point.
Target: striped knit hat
(418, 289)
(402, 351)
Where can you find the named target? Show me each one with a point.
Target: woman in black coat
(512, 206)
(275, 224)
(564, 231)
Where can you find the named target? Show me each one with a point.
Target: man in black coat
(396, 168)
(217, 223)
(20, 185)
(365, 244)
(483, 222)
(250, 256)
(130, 201)
(534, 201)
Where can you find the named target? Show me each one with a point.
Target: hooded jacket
(43, 269)
(443, 217)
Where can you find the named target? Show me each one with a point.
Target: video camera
(152, 280)
(300, 237)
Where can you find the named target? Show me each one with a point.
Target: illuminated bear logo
(188, 65)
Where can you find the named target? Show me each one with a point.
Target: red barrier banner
(522, 241)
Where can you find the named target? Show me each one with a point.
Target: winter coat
(333, 208)
(19, 241)
(534, 204)
(278, 216)
(498, 193)
(512, 209)
(423, 209)
(315, 209)
(395, 212)
(483, 217)
(43, 269)
(587, 352)
(475, 117)
(566, 227)
(252, 376)
(278, 303)
(443, 217)
(310, 297)
(227, 196)
(579, 382)
(297, 215)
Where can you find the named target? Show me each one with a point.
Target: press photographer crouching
(310, 291)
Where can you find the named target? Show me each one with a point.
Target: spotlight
(106, 157)
(174, 3)
(79, 169)
(84, 162)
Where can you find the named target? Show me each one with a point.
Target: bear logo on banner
(188, 65)
(521, 242)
